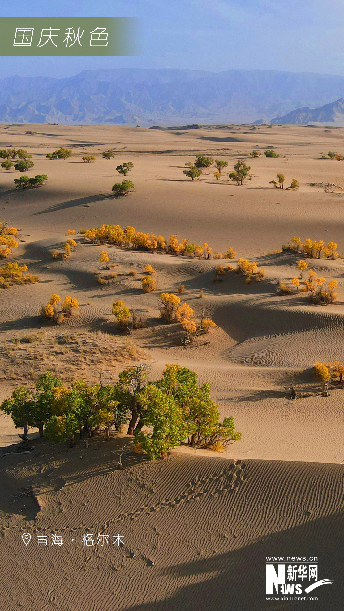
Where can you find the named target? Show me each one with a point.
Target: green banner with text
(63, 36)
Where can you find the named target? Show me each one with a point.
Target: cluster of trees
(9, 154)
(61, 153)
(57, 311)
(279, 183)
(120, 189)
(319, 290)
(130, 238)
(7, 240)
(68, 247)
(332, 155)
(24, 182)
(315, 249)
(195, 168)
(250, 270)
(330, 371)
(172, 310)
(161, 414)
(13, 273)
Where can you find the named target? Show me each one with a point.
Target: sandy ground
(280, 488)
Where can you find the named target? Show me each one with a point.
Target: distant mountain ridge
(164, 97)
(329, 113)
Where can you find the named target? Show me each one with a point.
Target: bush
(193, 172)
(121, 313)
(270, 153)
(7, 164)
(88, 158)
(23, 165)
(61, 153)
(108, 154)
(250, 270)
(13, 273)
(203, 162)
(150, 270)
(24, 182)
(314, 249)
(169, 305)
(254, 154)
(124, 168)
(122, 188)
(57, 312)
(240, 173)
(148, 284)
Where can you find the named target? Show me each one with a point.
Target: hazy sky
(202, 34)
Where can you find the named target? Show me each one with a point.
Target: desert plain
(197, 525)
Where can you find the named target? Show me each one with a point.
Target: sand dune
(278, 490)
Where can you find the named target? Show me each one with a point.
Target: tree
(43, 400)
(220, 164)
(108, 154)
(122, 188)
(193, 172)
(23, 154)
(163, 414)
(254, 154)
(88, 158)
(7, 164)
(130, 383)
(24, 182)
(203, 162)
(270, 153)
(125, 168)
(103, 257)
(148, 284)
(240, 173)
(19, 407)
(61, 153)
(121, 313)
(322, 372)
(280, 183)
(294, 184)
(23, 165)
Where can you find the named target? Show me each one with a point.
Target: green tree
(23, 154)
(165, 417)
(203, 162)
(24, 182)
(108, 154)
(240, 173)
(130, 383)
(124, 168)
(7, 164)
(122, 188)
(19, 407)
(23, 165)
(220, 164)
(44, 400)
(294, 184)
(193, 172)
(270, 153)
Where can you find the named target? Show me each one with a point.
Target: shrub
(204, 162)
(217, 175)
(24, 182)
(103, 257)
(220, 164)
(270, 153)
(331, 154)
(240, 173)
(324, 292)
(250, 270)
(88, 158)
(322, 372)
(23, 165)
(148, 284)
(71, 232)
(121, 313)
(13, 273)
(57, 312)
(312, 248)
(122, 188)
(181, 288)
(7, 164)
(230, 253)
(108, 154)
(61, 153)
(150, 270)
(193, 172)
(169, 306)
(294, 185)
(124, 168)
(254, 154)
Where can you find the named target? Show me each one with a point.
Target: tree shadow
(72, 203)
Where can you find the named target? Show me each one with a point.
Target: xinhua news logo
(293, 578)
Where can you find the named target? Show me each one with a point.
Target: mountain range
(329, 113)
(166, 97)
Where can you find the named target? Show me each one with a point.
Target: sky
(215, 35)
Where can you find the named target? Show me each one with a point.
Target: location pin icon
(26, 538)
